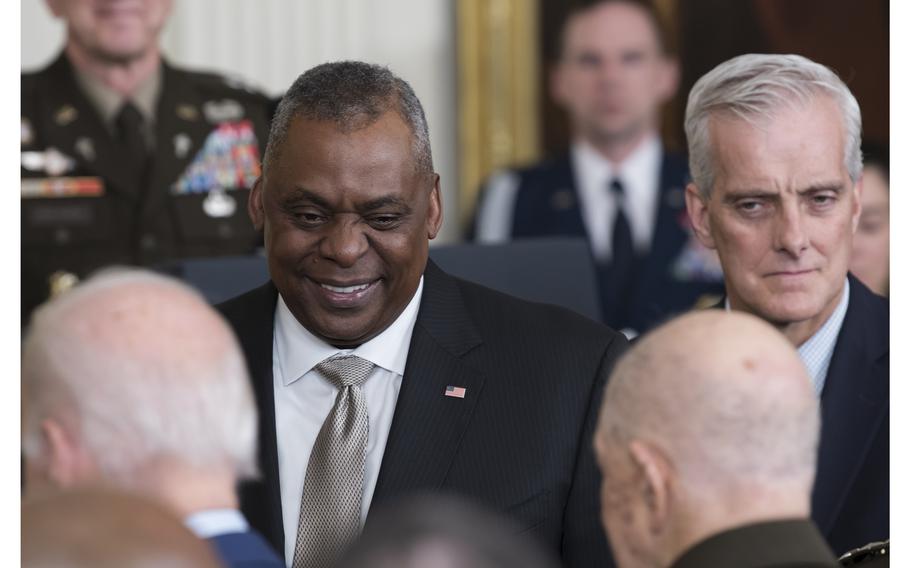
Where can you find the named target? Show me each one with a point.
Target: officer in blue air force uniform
(126, 159)
(618, 186)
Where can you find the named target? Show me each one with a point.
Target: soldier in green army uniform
(126, 159)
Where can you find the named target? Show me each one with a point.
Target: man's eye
(749, 206)
(384, 221)
(822, 199)
(309, 218)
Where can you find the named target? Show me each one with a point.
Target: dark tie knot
(345, 370)
(129, 117)
(616, 188)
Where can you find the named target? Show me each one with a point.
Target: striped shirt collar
(816, 352)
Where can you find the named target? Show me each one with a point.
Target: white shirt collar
(817, 351)
(216, 522)
(639, 174)
(299, 350)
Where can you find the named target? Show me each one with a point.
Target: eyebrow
(755, 193)
(299, 194)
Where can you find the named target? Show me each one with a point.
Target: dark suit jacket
(776, 544)
(520, 440)
(669, 280)
(245, 550)
(850, 501)
(141, 223)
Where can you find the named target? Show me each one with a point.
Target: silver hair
(138, 367)
(752, 87)
(352, 94)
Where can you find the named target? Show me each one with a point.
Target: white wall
(270, 42)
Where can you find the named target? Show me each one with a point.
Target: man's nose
(790, 231)
(345, 241)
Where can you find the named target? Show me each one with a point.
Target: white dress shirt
(639, 175)
(304, 398)
(216, 522)
(816, 352)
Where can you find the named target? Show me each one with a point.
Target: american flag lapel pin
(457, 392)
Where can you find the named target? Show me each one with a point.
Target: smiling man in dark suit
(774, 147)
(377, 374)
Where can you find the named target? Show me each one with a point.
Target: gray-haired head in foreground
(753, 87)
(353, 95)
(138, 367)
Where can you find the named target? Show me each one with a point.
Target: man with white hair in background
(707, 441)
(774, 151)
(130, 379)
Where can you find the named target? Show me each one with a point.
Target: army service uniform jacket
(81, 205)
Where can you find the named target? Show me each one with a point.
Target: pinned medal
(86, 148)
(28, 135)
(187, 112)
(562, 200)
(61, 281)
(65, 115)
(51, 161)
(182, 144)
(222, 111)
(219, 204)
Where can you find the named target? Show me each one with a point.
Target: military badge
(222, 111)
(28, 134)
(562, 200)
(219, 204)
(86, 148)
(182, 144)
(51, 162)
(44, 188)
(187, 112)
(228, 159)
(65, 115)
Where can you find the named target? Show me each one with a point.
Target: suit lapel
(74, 120)
(854, 404)
(428, 426)
(261, 500)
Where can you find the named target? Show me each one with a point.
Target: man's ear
(67, 462)
(434, 209)
(655, 473)
(254, 205)
(697, 207)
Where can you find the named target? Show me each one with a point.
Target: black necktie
(622, 262)
(623, 251)
(131, 137)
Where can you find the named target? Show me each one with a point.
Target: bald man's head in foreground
(132, 379)
(708, 423)
(98, 528)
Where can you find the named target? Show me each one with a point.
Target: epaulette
(865, 554)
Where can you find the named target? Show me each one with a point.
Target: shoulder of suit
(529, 318)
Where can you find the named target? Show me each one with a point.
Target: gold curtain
(498, 90)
